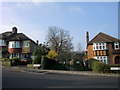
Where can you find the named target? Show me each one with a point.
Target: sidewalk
(25, 69)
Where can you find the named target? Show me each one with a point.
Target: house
(17, 44)
(104, 48)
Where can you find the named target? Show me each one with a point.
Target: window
(26, 44)
(103, 59)
(116, 45)
(14, 44)
(2, 43)
(99, 46)
(14, 55)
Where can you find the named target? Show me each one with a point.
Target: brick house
(17, 44)
(104, 48)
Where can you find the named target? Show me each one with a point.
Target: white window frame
(116, 44)
(2, 42)
(96, 46)
(103, 59)
(26, 43)
(14, 44)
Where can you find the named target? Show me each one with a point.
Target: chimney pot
(37, 41)
(14, 30)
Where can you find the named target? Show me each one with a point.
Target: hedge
(15, 61)
(100, 67)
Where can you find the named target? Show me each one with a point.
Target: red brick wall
(90, 52)
(14, 50)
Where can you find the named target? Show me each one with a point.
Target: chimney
(87, 37)
(14, 30)
(37, 42)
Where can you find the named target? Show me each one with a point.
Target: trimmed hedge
(89, 63)
(6, 63)
(100, 67)
(78, 68)
(15, 61)
(5, 59)
(97, 66)
(51, 64)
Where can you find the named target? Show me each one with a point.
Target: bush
(100, 67)
(57, 67)
(5, 59)
(37, 60)
(89, 63)
(51, 64)
(15, 61)
(79, 68)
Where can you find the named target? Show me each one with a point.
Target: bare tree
(60, 41)
(79, 48)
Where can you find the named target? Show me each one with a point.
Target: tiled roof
(19, 36)
(9, 36)
(102, 37)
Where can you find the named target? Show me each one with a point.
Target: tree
(40, 51)
(52, 54)
(60, 41)
(79, 48)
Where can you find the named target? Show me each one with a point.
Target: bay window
(14, 44)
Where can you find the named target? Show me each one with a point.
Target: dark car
(26, 60)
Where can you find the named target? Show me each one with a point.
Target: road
(15, 79)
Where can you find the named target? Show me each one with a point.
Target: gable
(101, 37)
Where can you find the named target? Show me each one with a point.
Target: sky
(34, 18)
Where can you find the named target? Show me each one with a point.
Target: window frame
(116, 44)
(26, 44)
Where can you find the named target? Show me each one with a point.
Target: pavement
(25, 69)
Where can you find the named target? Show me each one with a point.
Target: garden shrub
(15, 61)
(5, 59)
(51, 64)
(100, 67)
(37, 60)
(89, 63)
(78, 68)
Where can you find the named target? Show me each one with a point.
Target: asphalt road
(14, 79)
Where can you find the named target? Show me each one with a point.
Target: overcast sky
(34, 18)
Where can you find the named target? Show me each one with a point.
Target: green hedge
(79, 68)
(100, 67)
(6, 63)
(15, 61)
(5, 59)
(89, 63)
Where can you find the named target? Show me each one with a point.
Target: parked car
(26, 60)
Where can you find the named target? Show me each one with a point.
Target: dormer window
(116, 45)
(26, 44)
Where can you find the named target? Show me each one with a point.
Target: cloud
(76, 9)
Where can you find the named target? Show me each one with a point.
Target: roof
(9, 36)
(102, 37)
(19, 36)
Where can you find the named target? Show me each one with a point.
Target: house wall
(111, 56)
(110, 49)
(32, 47)
(14, 50)
(25, 49)
(90, 52)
